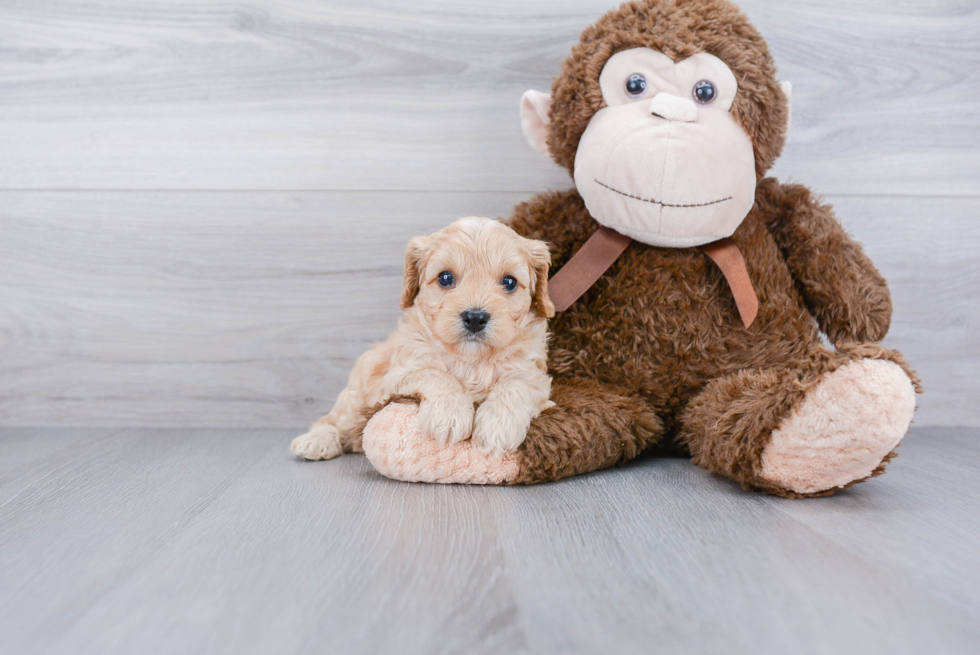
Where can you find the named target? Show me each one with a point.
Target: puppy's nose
(474, 320)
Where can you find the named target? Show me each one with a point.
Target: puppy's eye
(446, 279)
(509, 283)
(636, 84)
(704, 92)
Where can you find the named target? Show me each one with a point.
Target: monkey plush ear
(539, 258)
(787, 88)
(534, 119)
(414, 262)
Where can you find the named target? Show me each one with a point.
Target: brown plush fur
(600, 426)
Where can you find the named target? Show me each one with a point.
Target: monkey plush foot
(843, 429)
(395, 446)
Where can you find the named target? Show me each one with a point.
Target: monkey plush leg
(590, 427)
(807, 430)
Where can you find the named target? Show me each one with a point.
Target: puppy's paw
(321, 442)
(499, 428)
(446, 418)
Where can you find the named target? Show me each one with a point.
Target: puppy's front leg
(445, 412)
(340, 430)
(504, 417)
(335, 433)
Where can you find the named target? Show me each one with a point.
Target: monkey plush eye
(446, 279)
(704, 92)
(509, 283)
(636, 84)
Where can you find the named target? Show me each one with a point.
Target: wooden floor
(183, 541)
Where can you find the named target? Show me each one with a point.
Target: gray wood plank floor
(197, 540)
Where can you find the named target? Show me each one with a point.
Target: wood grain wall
(203, 204)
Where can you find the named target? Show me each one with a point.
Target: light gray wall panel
(148, 296)
(928, 250)
(422, 95)
(199, 308)
(230, 308)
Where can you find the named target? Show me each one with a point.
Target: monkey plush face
(664, 162)
(666, 113)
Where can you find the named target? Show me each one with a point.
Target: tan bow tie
(606, 245)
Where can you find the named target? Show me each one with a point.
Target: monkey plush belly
(662, 321)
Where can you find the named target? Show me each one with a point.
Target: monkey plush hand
(694, 288)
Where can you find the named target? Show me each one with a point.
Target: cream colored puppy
(473, 333)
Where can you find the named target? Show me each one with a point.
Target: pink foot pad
(843, 429)
(395, 447)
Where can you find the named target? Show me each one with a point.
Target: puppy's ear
(415, 256)
(540, 258)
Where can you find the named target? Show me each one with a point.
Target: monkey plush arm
(838, 282)
(558, 218)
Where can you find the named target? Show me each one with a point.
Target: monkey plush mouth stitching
(657, 202)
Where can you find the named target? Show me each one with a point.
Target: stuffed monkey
(693, 288)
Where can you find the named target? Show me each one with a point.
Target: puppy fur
(501, 369)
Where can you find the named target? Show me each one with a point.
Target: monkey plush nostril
(475, 320)
(673, 108)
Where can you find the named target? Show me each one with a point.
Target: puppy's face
(476, 283)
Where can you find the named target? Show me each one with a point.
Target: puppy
(473, 333)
